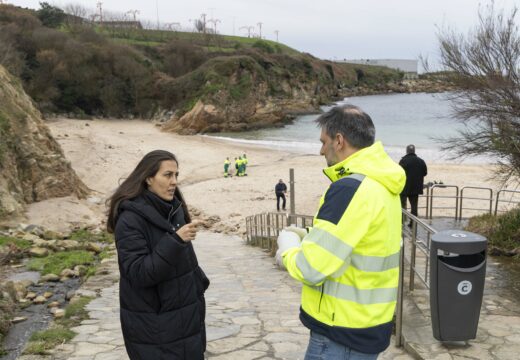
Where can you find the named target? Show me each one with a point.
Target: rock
(47, 294)
(53, 304)
(40, 300)
(80, 270)
(38, 252)
(70, 294)
(31, 237)
(67, 273)
(95, 200)
(50, 277)
(59, 313)
(23, 301)
(34, 229)
(31, 295)
(68, 244)
(94, 248)
(18, 319)
(52, 235)
(86, 293)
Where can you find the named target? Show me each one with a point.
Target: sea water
(400, 119)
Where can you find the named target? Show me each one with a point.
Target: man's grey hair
(350, 121)
(410, 149)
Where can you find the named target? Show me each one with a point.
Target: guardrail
(459, 198)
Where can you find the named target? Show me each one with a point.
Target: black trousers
(414, 199)
(278, 197)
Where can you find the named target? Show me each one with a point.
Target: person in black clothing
(415, 169)
(280, 190)
(161, 290)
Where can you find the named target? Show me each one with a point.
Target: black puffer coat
(415, 169)
(161, 287)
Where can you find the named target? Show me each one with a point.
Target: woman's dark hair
(135, 184)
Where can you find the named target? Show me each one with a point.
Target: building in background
(409, 67)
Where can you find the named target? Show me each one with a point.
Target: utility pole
(171, 26)
(203, 17)
(214, 22)
(157, 13)
(133, 13)
(276, 32)
(248, 28)
(100, 7)
(260, 29)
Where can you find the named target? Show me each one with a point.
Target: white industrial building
(409, 67)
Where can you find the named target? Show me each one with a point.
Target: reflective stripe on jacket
(349, 261)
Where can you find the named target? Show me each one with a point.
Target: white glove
(301, 232)
(286, 240)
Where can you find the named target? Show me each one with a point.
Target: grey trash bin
(457, 274)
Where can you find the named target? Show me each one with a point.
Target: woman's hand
(187, 232)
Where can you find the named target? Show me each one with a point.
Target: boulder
(38, 252)
(50, 277)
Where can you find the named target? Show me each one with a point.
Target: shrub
(502, 231)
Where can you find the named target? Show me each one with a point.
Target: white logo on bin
(464, 287)
(458, 235)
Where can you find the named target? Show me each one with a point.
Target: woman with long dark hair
(162, 287)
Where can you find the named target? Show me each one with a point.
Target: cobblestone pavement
(252, 309)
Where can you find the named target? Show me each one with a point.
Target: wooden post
(292, 219)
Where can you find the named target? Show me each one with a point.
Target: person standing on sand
(161, 289)
(245, 161)
(280, 190)
(415, 169)
(348, 262)
(226, 167)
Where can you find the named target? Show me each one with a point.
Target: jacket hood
(374, 163)
(141, 207)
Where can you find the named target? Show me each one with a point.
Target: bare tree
(484, 66)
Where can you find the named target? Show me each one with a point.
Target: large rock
(32, 164)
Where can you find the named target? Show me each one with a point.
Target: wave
(429, 154)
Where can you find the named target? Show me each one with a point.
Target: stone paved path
(252, 309)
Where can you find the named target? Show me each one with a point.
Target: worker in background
(244, 159)
(226, 167)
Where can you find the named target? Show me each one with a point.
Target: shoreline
(103, 151)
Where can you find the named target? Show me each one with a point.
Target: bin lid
(459, 241)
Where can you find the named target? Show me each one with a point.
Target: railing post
(400, 296)
(268, 231)
(412, 256)
(292, 205)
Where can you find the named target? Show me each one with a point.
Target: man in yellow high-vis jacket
(348, 261)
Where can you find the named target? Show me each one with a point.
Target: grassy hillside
(95, 71)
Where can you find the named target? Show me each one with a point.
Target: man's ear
(339, 141)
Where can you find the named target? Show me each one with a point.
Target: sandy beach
(104, 151)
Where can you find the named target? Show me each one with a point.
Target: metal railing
(510, 201)
(458, 200)
(263, 229)
(418, 238)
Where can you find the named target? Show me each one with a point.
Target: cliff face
(32, 164)
(238, 93)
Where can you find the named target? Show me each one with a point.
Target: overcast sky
(329, 29)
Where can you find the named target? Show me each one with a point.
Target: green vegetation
(102, 71)
(42, 341)
(84, 235)
(56, 263)
(7, 309)
(18, 243)
(502, 231)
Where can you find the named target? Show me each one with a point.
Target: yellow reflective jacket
(349, 261)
